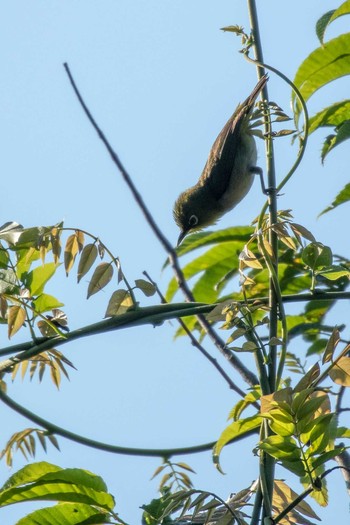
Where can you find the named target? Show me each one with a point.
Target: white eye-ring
(193, 220)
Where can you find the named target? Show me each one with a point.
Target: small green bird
(227, 175)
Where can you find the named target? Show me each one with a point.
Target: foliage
(81, 496)
(242, 278)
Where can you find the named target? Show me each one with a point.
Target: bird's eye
(193, 221)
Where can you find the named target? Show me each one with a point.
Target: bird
(227, 175)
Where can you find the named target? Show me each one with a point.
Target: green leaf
(308, 379)
(331, 116)
(342, 133)
(280, 422)
(66, 514)
(340, 373)
(45, 303)
(323, 458)
(146, 287)
(100, 278)
(119, 303)
(342, 197)
(281, 448)
(16, 317)
(234, 431)
(215, 264)
(325, 64)
(333, 274)
(36, 279)
(43, 481)
(239, 234)
(331, 345)
(322, 23)
(329, 17)
(343, 432)
(87, 259)
(316, 256)
(316, 429)
(309, 407)
(70, 251)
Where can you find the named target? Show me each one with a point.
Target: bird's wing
(218, 168)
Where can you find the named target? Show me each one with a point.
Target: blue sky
(161, 79)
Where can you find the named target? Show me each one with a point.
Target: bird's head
(193, 211)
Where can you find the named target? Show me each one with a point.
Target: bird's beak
(181, 237)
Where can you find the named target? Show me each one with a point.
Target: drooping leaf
(87, 259)
(146, 287)
(341, 133)
(331, 346)
(340, 373)
(15, 318)
(100, 278)
(70, 252)
(235, 430)
(342, 197)
(283, 496)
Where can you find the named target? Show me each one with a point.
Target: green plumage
(227, 175)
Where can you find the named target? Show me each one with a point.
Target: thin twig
(199, 347)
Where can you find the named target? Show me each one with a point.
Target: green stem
(268, 466)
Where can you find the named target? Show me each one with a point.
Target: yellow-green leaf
(70, 252)
(147, 288)
(340, 373)
(87, 259)
(16, 318)
(119, 303)
(46, 302)
(100, 278)
(233, 431)
(37, 278)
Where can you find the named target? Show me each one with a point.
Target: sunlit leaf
(340, 373)
(46, 302)
(70, 252)
(325, 64)
(283, 496)
(119, 303)
(36, 279)
(233, 431)
(16, 318)
(100, 278)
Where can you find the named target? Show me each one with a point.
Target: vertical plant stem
(267, 462)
